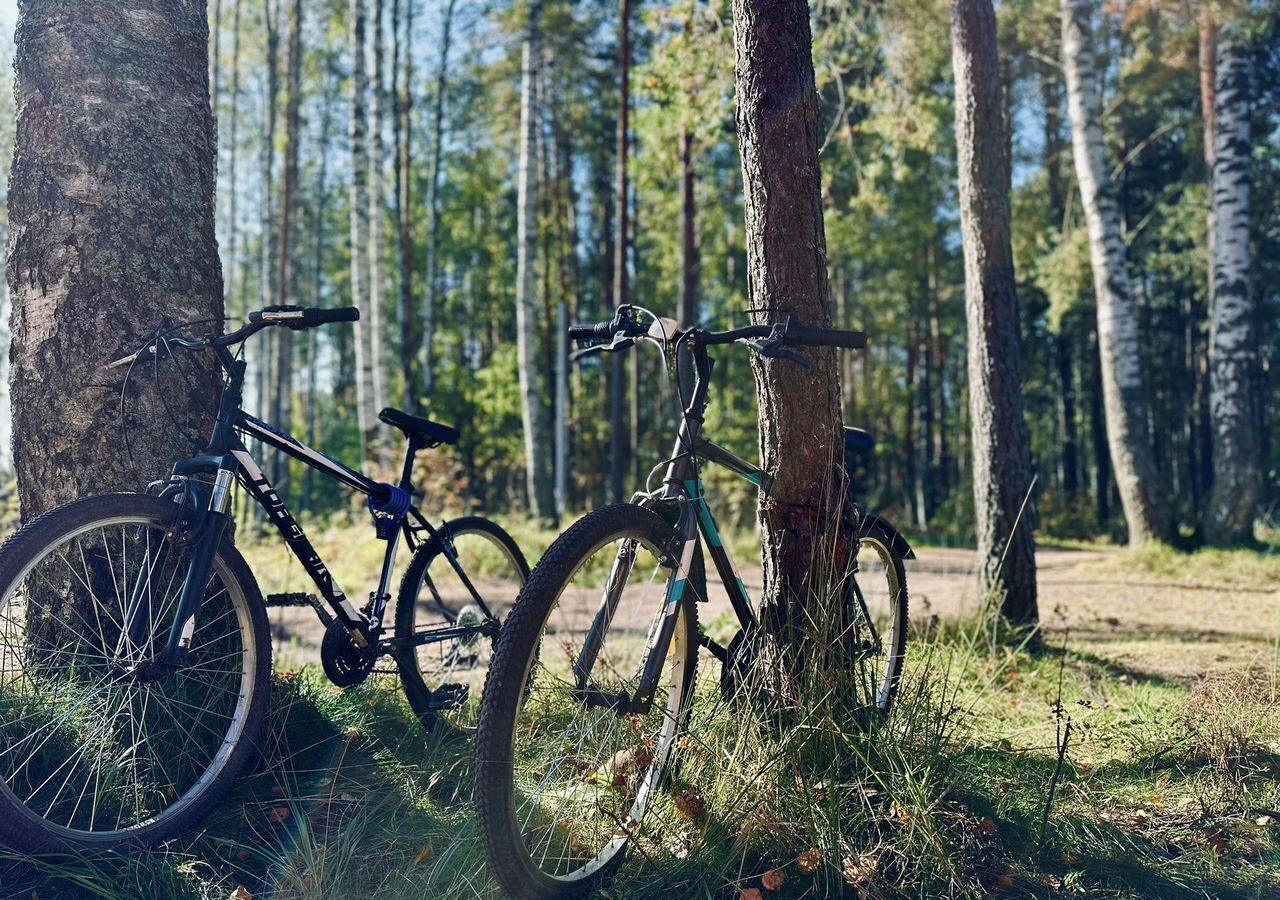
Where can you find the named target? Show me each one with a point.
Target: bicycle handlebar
(297, 318)
(792, 332)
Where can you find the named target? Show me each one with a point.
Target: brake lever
(770, 348)
(619, 342)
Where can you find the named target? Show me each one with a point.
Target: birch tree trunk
(433, 207)
(800, 438)
(112, 235)
(533, 410)
(1234, 397)
(1141, 487)
(365, 414)
(377, 227)
(1002, 477)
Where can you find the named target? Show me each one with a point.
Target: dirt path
(1143, 625)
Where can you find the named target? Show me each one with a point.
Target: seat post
(406, 475)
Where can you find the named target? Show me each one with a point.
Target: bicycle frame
(225, 459)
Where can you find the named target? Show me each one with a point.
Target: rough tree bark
(533, 409)
(1142, 492)
(1002, 475)
(111, 208)
(800, 439)
(433, 204)
(365, 414)
(1234, 397)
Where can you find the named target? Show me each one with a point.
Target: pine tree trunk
(113, 102)
(1141, 485)
(404, 212)
(533, 410)
(283, 386)
(800, 438)
(1002, 477)
(433, 205)
(1234, 398)
(619, 435)
(365, 414)
(377, 226)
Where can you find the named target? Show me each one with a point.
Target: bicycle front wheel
(563, 784)
(97, 749)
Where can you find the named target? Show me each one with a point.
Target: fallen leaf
(690, 804)
(751, 894)
(422, 856)
(773, 879)
(859, 869)
(988, 828)
(809, 861)
(240, 893)
(278, 815)
(1264, 821)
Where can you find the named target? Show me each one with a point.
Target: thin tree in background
(283, 386)
(1234, 399)
(365, 414)
(800, 435)
(268, 251)
(80, 297)
(433, 204)
(1142, 490)
(402, 88)
(619, 449)
(233, 159)
(1002, 476)
(377, 220)
(533, 410)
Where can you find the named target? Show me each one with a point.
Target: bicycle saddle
(424, 429)
(858, 441)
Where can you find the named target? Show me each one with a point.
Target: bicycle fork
(642, 701)
(140, 613)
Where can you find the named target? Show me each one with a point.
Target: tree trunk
(433, 205)
(533, 410)
(378, 225)
(800, 437)
(1142, 492)
(1002, 478)
(111, 208)
(233, 224)
(1234, 399)
(283, 387)
(366, 417)
(319, 210)
(404, 212)
(619, 436)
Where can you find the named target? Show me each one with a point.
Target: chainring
(344, 663)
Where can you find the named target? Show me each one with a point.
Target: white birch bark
(1234, 400)
(1141, 488)
(533, 411)
(360, 224)
(377, 226)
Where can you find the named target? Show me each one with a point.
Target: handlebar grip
(589, 332)
(328, 316)
(809, 336)
(297, 317)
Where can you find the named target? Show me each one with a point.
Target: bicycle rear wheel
(875, 628)
(562, 786)
(443, 680)
(97, 751)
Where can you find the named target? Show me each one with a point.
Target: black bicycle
(135, 653)
(592, 678)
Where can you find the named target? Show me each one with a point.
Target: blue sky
(8, 12)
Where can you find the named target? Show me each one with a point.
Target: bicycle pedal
(291, 599)
(448, 696)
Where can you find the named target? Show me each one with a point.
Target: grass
(1165, 784)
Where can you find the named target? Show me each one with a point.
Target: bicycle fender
(898, 545)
